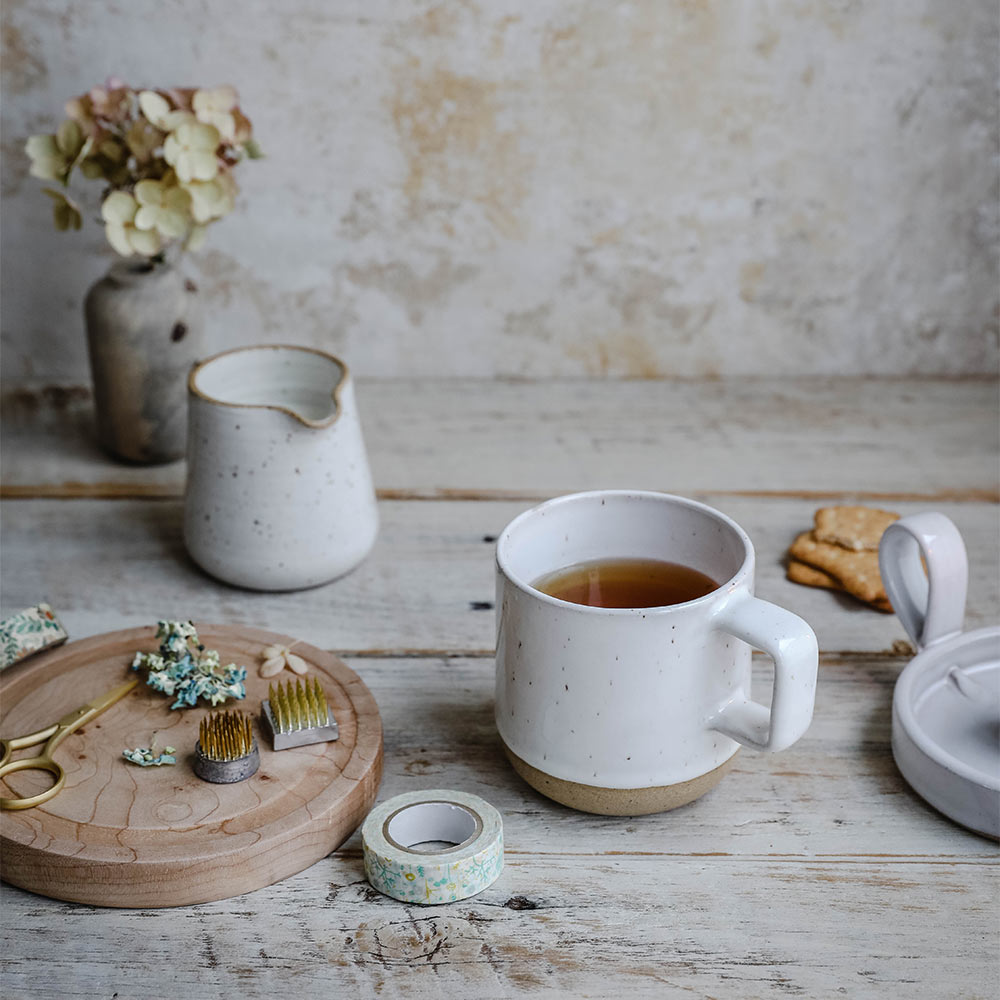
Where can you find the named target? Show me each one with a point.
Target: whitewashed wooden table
(813, 873)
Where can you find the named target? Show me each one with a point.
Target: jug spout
(303, 382)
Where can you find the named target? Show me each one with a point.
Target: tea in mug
(626, 583)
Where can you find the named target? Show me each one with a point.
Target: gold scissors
(55, 734)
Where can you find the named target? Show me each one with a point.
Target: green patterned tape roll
(397, 838)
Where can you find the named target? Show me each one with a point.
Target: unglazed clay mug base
(279, 493)
(626, 711)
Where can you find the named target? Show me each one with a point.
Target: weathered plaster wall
(540, 187)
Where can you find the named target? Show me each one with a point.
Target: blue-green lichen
(186, 670)
(143, 756)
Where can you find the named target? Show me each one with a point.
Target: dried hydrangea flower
(276, 658)
(184, 669)
(119, 211)
(157, 111)
(212, 199)
(163, 207)
(149, 146)
(53, 156)
(190, 150)
(215, 107)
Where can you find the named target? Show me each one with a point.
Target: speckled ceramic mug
(625, 711)
(279, 493)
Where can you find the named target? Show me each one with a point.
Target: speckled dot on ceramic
(289, 412)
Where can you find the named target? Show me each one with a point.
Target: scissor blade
(94, 708)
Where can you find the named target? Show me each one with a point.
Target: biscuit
(800, 572)
(855, 571)
(855, 528)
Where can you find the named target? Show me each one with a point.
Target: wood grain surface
(881, 439)
(815, 872)
(121, 835)
(427, 586)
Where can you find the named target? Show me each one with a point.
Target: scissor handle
(7, 747)
(31, 764)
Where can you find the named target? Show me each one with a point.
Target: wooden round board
(122, 835)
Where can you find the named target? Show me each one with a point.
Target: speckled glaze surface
(279, 492)
(639, 698)
(143, 336)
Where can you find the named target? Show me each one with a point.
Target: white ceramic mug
(626, 711)
(279, 492)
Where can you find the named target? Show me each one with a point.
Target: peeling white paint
(657, 187)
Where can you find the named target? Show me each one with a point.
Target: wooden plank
(427, 586)
(778, 881)
(836, 793)
(711, 927)
(881, 439)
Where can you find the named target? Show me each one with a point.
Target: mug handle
(931, 606)
(791, 643)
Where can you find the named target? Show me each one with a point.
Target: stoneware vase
(279, 492)
(143, 334)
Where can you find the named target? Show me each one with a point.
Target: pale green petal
(222, 121)
(42, 145)
(172, 224)
(153, 106)
(203, 166)
(214, 99)
(172, 149)
(201, 136)
(175, 119)
(183, 166)
(69, 138)
(118, 239)
(48, 168)
(204, 196)
(146, 217)
(196, 237)
(148, 193)
(119, 208)
(146, 243)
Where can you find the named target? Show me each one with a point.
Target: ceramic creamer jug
(279, 491)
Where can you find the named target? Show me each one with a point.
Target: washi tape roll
(397, 866)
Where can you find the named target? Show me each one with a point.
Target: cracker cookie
(855, 572)
(800, 572)
(855, 528)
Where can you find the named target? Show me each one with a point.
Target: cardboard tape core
(424, 822)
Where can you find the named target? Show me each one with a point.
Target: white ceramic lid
(946, 728)
(946, 706)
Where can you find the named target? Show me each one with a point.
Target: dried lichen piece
(144, 757)
(185, 669)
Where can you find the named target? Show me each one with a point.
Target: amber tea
(626, 583)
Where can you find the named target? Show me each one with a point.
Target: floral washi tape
(27, 632)
(399, 863)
